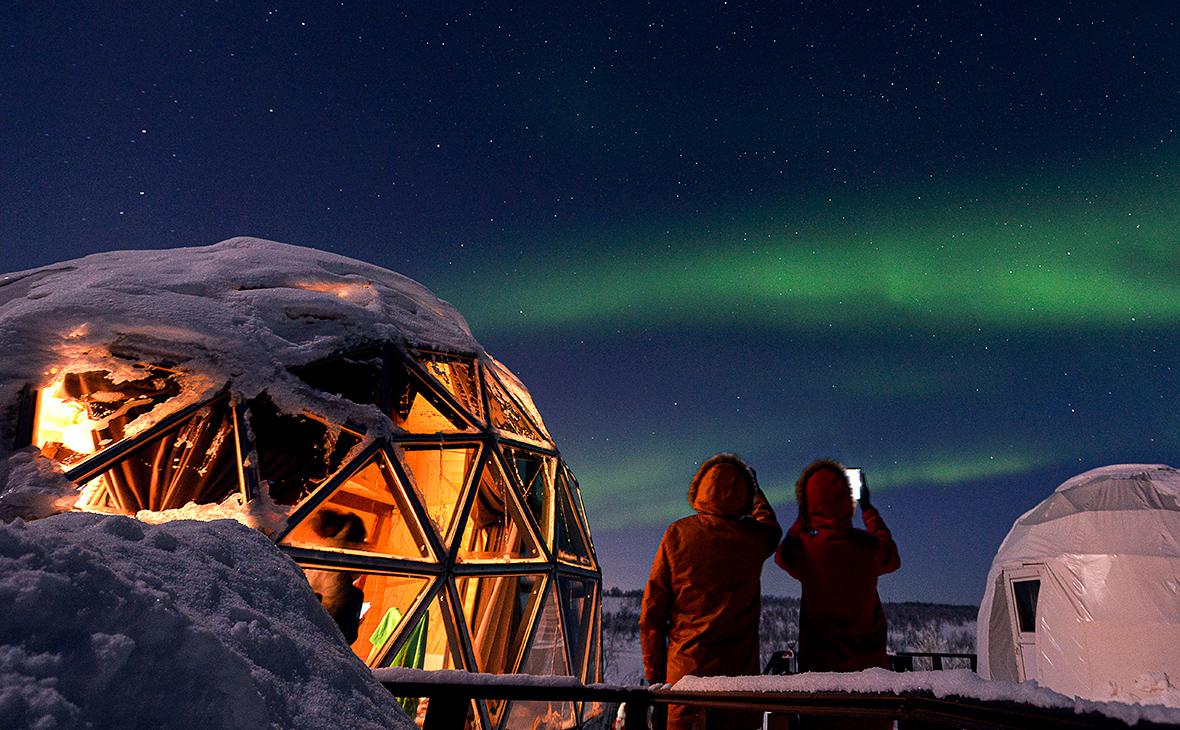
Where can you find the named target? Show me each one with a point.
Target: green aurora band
(1075, 261)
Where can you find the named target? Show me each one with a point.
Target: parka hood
(829, 498)
(723, 486)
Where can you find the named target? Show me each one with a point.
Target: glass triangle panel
(572, 546)
(368, 513)
(496, 528)
(520, 395)
(433, 644)
(533, 476)
(545, 657)
(196, 462)
(577, 603)
(456, 375)
(593, 673)
(369, 608)
(506, 415)
(580, 513)
(496, 609)
(418, 410)
(440, 477)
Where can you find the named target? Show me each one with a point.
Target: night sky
(940, 241)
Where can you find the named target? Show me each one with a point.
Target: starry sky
(937, 240)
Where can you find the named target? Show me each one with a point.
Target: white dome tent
(1084, 592)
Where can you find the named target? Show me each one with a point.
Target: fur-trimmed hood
(724, 486)
(825, 496)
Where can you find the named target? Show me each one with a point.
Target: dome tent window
(1024, 594)
(413, 478)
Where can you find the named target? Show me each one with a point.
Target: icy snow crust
(961, 683)
(108, 622)
(240, 311)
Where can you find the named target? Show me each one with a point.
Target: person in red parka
(841, 623)
(703, 600)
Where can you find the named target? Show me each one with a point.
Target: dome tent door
(1023, 586)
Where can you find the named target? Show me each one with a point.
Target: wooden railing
(451, 693)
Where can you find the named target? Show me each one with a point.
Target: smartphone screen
(855, 480)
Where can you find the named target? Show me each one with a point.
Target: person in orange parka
(841, 623)
(703, 599)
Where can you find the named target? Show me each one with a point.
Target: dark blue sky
(937, 240)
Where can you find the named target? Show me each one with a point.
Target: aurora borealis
(940, 241)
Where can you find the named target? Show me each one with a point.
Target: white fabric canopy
(1105, 548)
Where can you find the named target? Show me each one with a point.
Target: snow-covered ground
(110, 622)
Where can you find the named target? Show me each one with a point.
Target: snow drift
(108, 622)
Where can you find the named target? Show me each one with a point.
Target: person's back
(842, 624)
(702, 603)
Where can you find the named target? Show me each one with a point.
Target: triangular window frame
(533, 534)
(306, 508)
(493, 384)
(446, 539)
(98, 464)
(415, 359)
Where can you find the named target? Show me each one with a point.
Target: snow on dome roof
(241, 311)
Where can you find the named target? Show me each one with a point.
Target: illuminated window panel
(370, 609)
(439, 649)
(593, 673)
(577, 601)
(571, 544)
(520, 396)
(79, 414)
(417, 410)
(506, 415)
(440, 475)
(496, 609)
(296, 453)
(546, 657)
(580, 512)
(496, 529)
(368, 513)
(196, 462)
(533, 473)
(458, 376)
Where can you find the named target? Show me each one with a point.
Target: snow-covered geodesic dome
(1085, 589)
(341, 408)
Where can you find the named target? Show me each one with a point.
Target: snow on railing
(955, 698)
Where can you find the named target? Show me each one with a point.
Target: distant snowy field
(918, 627)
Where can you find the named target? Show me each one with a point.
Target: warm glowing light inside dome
(354, 293)
(64, 423)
